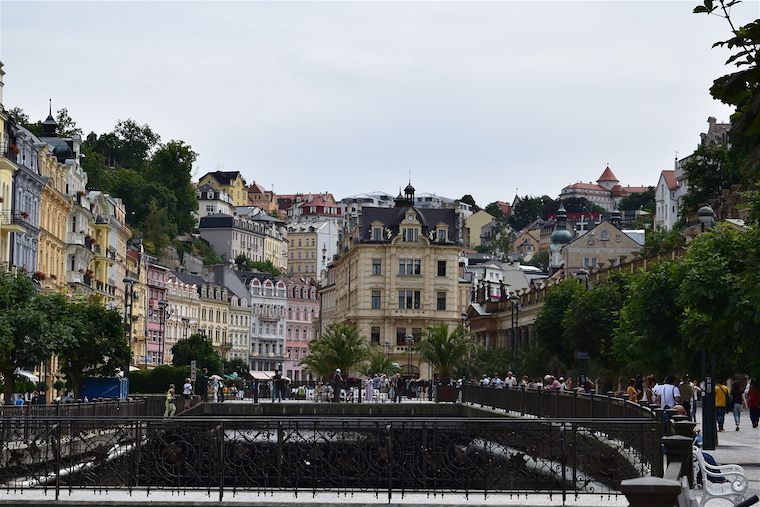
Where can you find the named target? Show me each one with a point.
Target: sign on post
(193, 370)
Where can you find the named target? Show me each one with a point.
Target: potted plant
(39, 275)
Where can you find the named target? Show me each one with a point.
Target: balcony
(11, 221)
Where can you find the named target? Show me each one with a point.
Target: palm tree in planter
(340, 346)
(379, 362)
(447, 351)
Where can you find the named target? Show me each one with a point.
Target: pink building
(156, 312)
(302, 314)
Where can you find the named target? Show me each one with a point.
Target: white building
(183, 306)
(269, 302)
(212, 201)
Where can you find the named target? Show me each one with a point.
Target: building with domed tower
(607, 192)
(397, 272)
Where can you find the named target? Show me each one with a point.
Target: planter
(447, 394)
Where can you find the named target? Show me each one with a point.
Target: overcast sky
(479, 98)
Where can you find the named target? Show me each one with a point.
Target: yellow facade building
(55, 207)
(396, 273)
(231, 182)
(8, 222)
(473, 226)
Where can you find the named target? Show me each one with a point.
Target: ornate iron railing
(384, 456)
(562, 404)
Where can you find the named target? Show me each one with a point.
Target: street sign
(193, 370)
(581, 355)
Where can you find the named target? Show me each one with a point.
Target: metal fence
(557, 404)
(384, 456)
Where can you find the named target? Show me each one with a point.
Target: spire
(49, 126)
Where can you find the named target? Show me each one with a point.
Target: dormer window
(210, 194)
(411, 234)
(442, 234)
(377, 233)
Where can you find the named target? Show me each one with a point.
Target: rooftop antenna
(50, 106)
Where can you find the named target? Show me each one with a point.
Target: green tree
(157, 230)
(468, 199)
(718, 283)
(172, 167)
(590, 320)
(527, 209)
(740, 89)
(490, 361)
(67, 127)
(95, 345)
(709, 170)
(236, 365)
(378, 362)
(30, 326)
(200, 349)
(639, 201)
(135, 143)
(540, 260)
(447, 351)
(494, 210)
(340, 346)
(548, 328)
(648, 339)
(662, 241)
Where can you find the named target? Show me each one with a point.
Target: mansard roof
(391, 218)
(224, 177)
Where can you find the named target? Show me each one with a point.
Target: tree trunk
(9, 385)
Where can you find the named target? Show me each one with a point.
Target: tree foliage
(378, 362)
(340, 346)
(447, 351)
(548, 328)
(639, 201)
(199, 348)
(468, 199)
(540, 260)
(243, 263)
(95, 344)
(526, 209)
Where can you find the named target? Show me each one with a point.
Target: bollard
(678, 451)
(651, 492)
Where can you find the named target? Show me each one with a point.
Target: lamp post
(514, 299)
(709, 429)
(409, 339)
(129, 298)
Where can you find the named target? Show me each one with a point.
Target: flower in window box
(24, 215)
(14, 149)
(39, 275)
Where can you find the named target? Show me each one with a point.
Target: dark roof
(190, 278)
(224, 177)
(216, 220)
(393, 217)
(247, 276)
(61, 147)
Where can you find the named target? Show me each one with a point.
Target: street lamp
(514, 299)
(409, 339)
(709, 431)
(129, 298)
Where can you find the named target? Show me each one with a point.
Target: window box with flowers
(14, 149)
(39, 275)
(24, 215)
(53, 277)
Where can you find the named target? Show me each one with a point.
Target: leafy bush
(157, 380)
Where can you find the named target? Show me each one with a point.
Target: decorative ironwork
(380, 455)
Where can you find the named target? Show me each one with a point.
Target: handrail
(558, 404)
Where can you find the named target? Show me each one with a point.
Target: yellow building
(473, 226)
(396, 273)
(109, 235)
(136, 274)
(55, 207)
(8, 223)
(231, 182)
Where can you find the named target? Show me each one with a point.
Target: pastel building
(301, 322)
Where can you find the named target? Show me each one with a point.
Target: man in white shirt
(510, 381)
(496, 381)
(668, 393)
(485, 380)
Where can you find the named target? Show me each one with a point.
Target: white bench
(734, 481)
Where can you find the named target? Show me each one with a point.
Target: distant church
(607, 192)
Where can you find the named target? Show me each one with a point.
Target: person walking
(687, 392)
(633, 394)
(337, 385)
(369, 392)
(277, 385)
(722, 400)
(737, 393)
(201, 385)
(170, 404)
(398, 387)
(752, 401)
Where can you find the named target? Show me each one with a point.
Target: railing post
(522, 401)
(221, 460)
(389, 468)
(651, 492)
(58, 460)
(678, 452)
